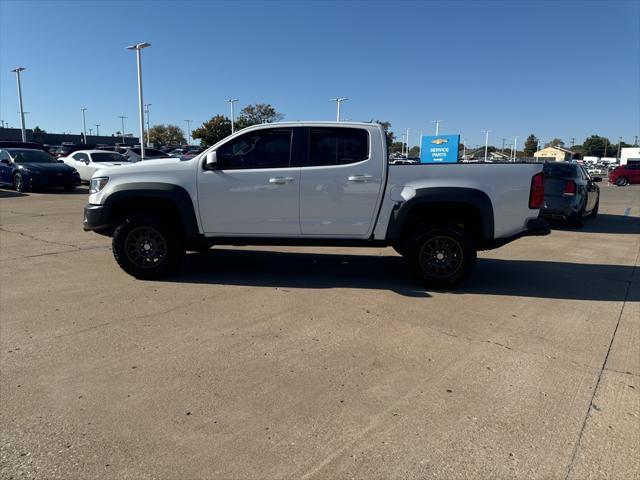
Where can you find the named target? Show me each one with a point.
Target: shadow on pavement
(525, 278)
(11, 194)
(604, 223)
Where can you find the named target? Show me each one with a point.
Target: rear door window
(337, 146)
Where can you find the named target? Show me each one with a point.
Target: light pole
(408, 142)
(233, 119)
(486, 143)
(437, 122)
(17, 72)
(121, 117)
(90, 130)
(464, 148)
(146, 108)
(402, 146)
(138, 47)
(515, 147)
(97, 125)
(339, 101)
(619, 144)
(189, 131)
(84, 125)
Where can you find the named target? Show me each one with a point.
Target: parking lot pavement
(316, 363)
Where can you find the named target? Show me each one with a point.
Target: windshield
(108, 157)
(31, 156)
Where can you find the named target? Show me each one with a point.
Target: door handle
(359, 178)
(280, 180)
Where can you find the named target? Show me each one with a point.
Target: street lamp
(486, 143)
(338, 101)
(84, 125)
(231, 102)
(146, 108)
(515, 147)
(402, 146)
(437, 122)
(189, 131)
(121, 117)
(17, 72)
(138, 47)
(408, 142)
(97, 125)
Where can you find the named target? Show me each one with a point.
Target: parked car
(570, 193)
(314, 183)
(625, 174)
(87, 162)
(30, 145)
(134, 154)
(25, 169)
(67, 149)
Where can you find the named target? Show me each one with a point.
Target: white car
(87, 162)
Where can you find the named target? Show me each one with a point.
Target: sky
(556, 69)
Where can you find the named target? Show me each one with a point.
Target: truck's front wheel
(146, 248)
(441, 257)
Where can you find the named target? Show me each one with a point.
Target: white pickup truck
(317, 184)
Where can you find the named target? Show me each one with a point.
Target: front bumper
(96, 218)
(536, 227)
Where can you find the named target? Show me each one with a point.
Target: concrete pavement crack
(26, 235)
(602, 369)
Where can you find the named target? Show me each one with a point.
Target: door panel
(256, 191)
(340, 190)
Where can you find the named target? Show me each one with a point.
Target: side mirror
(86, 162)
(6, 161)
(596, 179)
(211, 161)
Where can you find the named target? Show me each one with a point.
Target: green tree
(595, 146)
(387, 129)
(530, 145)
(212, 131)
(37, 129)
(256, 114)
(166, 135)
(414, 151)
(556, 142)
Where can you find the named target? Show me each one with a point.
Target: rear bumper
(96, 218)
(536, 227)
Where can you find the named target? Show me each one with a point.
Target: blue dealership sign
(440, 149)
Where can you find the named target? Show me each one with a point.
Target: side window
(81, 157)
(337, 146)
(269, 148)
(583, 173)
(4, 155)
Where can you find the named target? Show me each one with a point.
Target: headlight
(98, 183)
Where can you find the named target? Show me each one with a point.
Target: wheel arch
(469, 207)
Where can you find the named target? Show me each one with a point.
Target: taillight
(536, 194)
(570, 188)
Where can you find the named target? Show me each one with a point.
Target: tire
(622, 182)
(594, 212)
(146, 248)
(576, 219)
(18, 183)
(440, 257)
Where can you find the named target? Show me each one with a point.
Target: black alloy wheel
(147, 248)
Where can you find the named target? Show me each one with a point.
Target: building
(629, 155)
(556, 154)
(15, 135)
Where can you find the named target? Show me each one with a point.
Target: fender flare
(434, 195)
(175, 194)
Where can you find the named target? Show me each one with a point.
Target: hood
(46, 167)
(149, 166)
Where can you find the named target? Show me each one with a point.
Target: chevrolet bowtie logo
(440, 141)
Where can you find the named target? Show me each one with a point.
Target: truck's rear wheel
(441, 257)
(146, 248)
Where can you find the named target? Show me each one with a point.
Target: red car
(625, 174)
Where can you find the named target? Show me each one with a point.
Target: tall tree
(256, 114)
(530, 145)
(595, 146)
(212, 131)
(166, 135)
(556, 142)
